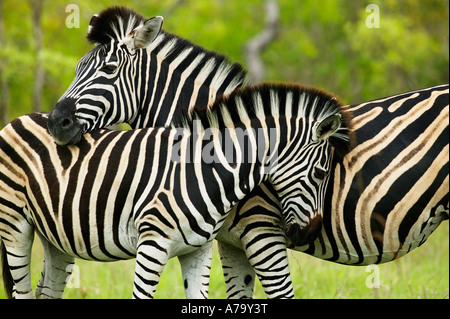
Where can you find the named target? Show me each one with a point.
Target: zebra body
(73, 211)
(124, 193)
(391, 191)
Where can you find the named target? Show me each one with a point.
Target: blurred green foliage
(321, 43)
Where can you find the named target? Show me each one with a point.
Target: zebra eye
(320, 173)
(108, 68)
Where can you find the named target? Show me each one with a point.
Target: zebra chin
(303, 236)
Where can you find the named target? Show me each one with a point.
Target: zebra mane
(113, 23)
(277, 100)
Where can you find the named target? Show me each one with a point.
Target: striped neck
(174, 75)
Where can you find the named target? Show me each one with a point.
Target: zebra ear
(328, 127)
(145, 34)
(91, 25)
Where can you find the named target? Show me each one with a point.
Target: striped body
(94, 192)
(121, 194)
(391, 190)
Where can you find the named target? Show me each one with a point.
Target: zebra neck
(177, 75)
(231, 161)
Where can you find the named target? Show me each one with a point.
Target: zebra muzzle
(302, 236)
(62, 123)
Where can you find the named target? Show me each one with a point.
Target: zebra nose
(62, 123)
(66, 123)
(303, 236)
(61, 117)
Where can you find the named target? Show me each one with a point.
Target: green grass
(424, 273)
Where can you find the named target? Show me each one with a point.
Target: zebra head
(319, 128)
(98, 89)
(301, 188)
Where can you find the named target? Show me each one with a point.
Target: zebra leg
(256, 242)
(267, 253)
(237, 271)
(196, 267)
(151, 258)
(18, 258)
(55, 272)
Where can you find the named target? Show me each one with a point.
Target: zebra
(151, 193)
(116, 82)
(138, 74)
(255, 228)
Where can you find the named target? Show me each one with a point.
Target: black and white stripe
(120, 194)
(391, 190)
(384, 198)
(125, 80)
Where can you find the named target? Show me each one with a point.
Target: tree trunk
(4, 88)
(258, 43)
(36, 6)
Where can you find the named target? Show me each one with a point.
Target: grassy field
(424, 273)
